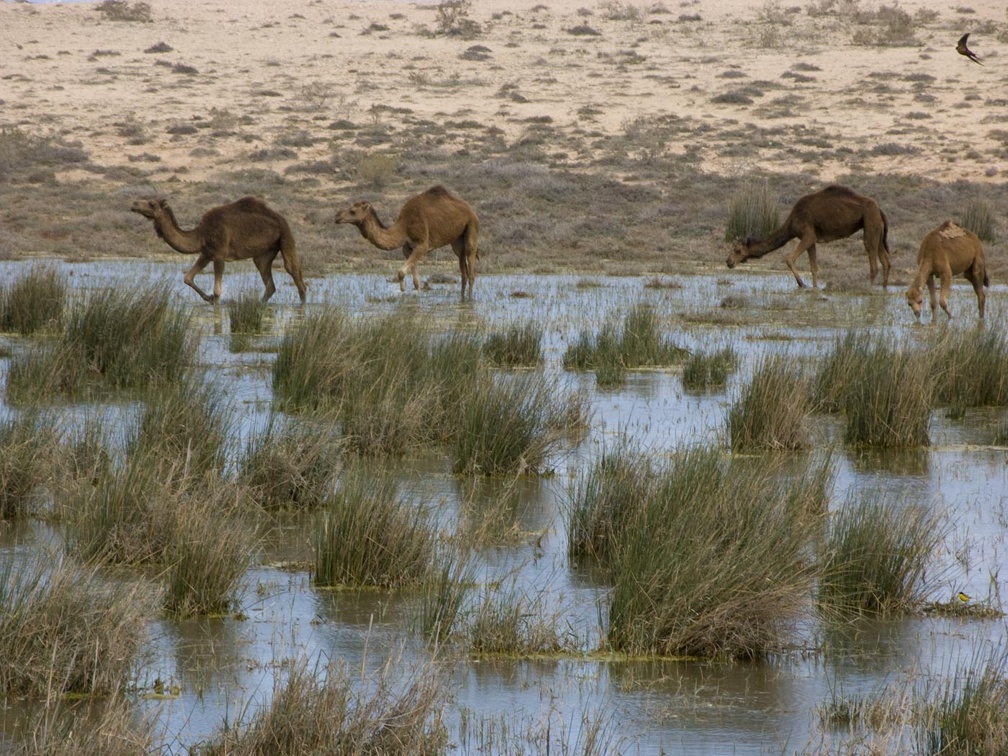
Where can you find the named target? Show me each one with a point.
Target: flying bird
(963, 50)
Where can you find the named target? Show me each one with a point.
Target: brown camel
(832, 213)
(244, 229)
(427, 221)
(945, 252)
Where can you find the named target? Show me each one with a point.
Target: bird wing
(963, 38)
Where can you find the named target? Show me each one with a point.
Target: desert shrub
(24, 154)
(367, 535)
(978, 217)
(65, 629)
(326, 710)
(707, 371)
(289, 466)
(706, 558)
(453, 19)
(519, 345)
(887, 25)
(753, 212)
(26, 461)
(124, 10)
(245, 312)
(33, 302)
(966, 715)
(615, 10)
(376, 170)
(875, 556)
(773, 410)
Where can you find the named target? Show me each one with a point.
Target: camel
(832, 213)
(427, 221)
(945, 252)
(241, 230)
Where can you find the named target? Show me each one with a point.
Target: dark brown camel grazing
(833, 213)
(427, 221)
(945, 252)
(241, 230)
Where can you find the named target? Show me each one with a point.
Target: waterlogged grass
(773, 411)
(510, 622)
(709, 371)
(326, 709)
(876, 555)
(26, 444)
(118, 339)
(367, 535)
(967, 714)
(442, 614)
(106, 725)
(519, 345)
(706, 558)
(971, 368)
(64, 629)
(246, 313)
(289, 465)
(637, 342)
(34, 302)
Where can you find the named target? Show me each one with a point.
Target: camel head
(915, 298)
(150, 208)
(739, 253)
(356, 214)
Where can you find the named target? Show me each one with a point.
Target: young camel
(833, 213)
(945, 252)
(241, 230)
(427, 221)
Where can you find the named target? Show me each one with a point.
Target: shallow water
(225, 667)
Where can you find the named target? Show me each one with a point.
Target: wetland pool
(225, 667)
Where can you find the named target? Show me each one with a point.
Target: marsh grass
(326, 709)
(874, 710)
(519, 345)
(34, 302)
(773, 410)
(706, 558)
(442, 613)
(65, 629)
(838, 369)
(876, 555)
(108, 726)
(978, 217)
(246, 313)
(708, 371)
(752, 213)
(367, 535)
(26, 462)
(289, 466)
(509, 622)
(185, 427)
(971, 368)
(555, 730)
(635, 343)
(118, 339)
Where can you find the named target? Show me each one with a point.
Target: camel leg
(813, 266)
(932, 297)
(218, 279)
(807, 240)
(946, 287)
(975, 275)
(265, 265)
(190, 277)
(407, 250)
(466, 265)
(416, 254)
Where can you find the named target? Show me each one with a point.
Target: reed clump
(514, 624)
(875, 556)
(65, 629)
(118, 339)
(709, 371)
(752, 213)
(368, 536)
(706, 558)
(971, 368)
(519, 345)
(290, 466)
(246, 313)
(773, 411)
(326, 709)
(107, 725)
(34, 302)
(26, 462)
(637, 342)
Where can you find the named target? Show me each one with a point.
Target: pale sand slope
(265, 71)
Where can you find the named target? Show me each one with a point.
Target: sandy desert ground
(615, 113)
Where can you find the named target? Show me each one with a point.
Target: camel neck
(775, 240)
(186, 242)
(382, 236)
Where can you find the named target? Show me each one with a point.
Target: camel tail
(885, 232)
(986, 279)
(289, 255)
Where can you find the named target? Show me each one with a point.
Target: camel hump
(438, 192)
(949, 230)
